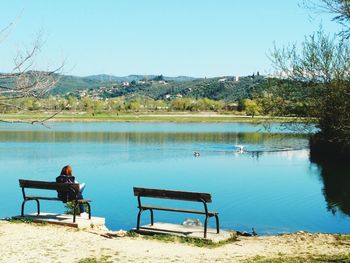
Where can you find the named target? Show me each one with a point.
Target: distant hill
(68, 83)
(72, 83)
(226, 88)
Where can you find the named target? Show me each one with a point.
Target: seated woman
(67, 177)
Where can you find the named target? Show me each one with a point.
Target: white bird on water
(196, 154)
(239, 148)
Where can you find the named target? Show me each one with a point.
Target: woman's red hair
(66, 170)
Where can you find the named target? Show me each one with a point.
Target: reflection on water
(336, 186)
(254, 142)
(146, 127)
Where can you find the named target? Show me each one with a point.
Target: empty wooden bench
(175, 195)
(72, 191)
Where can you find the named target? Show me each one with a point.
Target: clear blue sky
(170, 37)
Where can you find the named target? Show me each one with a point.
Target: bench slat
(32, 197)
(29, 197)
(178, 210)
(48, 185)
(172, 194)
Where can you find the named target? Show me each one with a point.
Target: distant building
(222, 80)
(126, 83)
(237, 78)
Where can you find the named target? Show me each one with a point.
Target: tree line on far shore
(136, 104)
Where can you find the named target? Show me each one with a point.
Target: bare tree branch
(23, 81)
(339, 8)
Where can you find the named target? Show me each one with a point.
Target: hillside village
(229, 88)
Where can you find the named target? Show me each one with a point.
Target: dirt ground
(26, 242)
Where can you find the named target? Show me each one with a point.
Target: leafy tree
(72, 103)
(117, 104)
(321, 70)
(28, 104)
(133, 105)
(160, 104)
(148, 103)
(87, 104)
(208, 104)
(241, 106)
(251, 107)
(182, 104)
(99, 105)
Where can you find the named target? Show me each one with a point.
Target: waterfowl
(239, 148)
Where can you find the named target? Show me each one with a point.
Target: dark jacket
(65, 196)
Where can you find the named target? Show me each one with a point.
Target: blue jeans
(80, 196)
(81, 206)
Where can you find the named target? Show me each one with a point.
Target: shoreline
(28, 242)
(181, 117)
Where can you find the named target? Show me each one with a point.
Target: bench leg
(138, 219)
(74, 210)
(217, 224)
(22, 210)
(205, 226)
(37, 206)
(89, 209)
(152, 218)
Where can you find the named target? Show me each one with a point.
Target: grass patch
(197, 242)
(187, 117)
(131, 233)
(103, 259)
(310, 259)
(26, 220)
(342, 237)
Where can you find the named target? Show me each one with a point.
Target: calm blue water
(273, 187)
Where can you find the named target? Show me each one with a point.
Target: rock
(244, 234)
(192, 222)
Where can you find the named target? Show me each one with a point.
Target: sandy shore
(23, 242)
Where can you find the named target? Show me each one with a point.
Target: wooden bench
(175, 195)
(71, 189)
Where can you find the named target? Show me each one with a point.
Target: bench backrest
(48, 185)
(172, 194)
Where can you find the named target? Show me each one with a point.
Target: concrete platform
(65, 220)
(185, 231)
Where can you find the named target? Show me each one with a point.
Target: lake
(272, 186)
